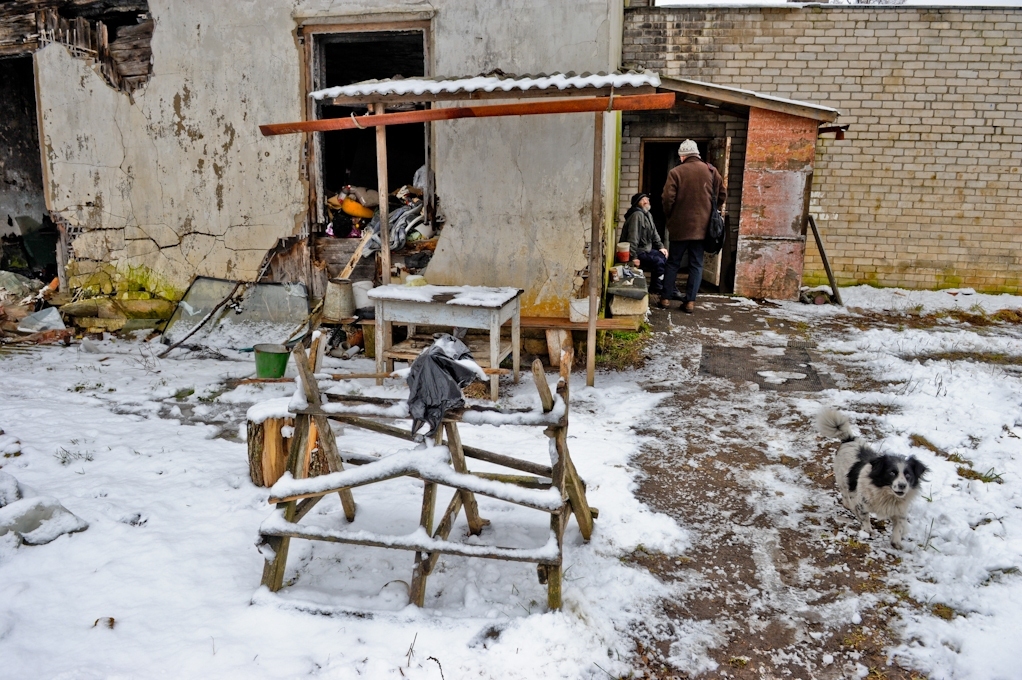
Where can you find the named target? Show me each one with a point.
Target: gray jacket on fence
(641, 233)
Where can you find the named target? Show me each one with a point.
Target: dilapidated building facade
(161, 174)
(923, 191)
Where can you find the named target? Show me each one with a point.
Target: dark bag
(715, 229)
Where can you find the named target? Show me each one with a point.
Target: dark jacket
(641, 233)
(687, 197)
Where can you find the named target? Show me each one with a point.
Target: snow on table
(462, 296)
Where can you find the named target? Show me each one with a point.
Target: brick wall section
(925, 189)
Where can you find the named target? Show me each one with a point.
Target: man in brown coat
(687, 199)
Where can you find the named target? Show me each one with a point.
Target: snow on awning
(496, 81)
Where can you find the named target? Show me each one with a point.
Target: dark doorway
(29, 238)
(659, 157)
(349, 156)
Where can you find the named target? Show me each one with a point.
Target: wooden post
(475, 522)
(417, 593)
(382, 187)
(545, 398)
(595, 250)
(826, 262)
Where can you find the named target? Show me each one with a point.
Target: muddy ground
(764, 590)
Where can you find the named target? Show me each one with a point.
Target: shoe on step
(663, 303)
(688, 307)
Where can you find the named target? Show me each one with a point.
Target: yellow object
(352, 207)
(415, 280)
(333, 203)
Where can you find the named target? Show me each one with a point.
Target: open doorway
(28, 238)
(349, 156)
(659, 157)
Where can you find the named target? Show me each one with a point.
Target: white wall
(178, 180)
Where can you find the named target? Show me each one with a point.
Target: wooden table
(456, 306)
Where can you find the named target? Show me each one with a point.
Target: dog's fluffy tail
(833, 423)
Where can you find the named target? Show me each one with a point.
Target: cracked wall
(176, 179)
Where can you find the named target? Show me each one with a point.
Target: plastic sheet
(435, 381)
(262, 313)
(44, 320)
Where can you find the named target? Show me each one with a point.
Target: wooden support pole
(826, 262)
(383, 187)
(417, 592)
(595, 250)
(638, 102)
(320, 429)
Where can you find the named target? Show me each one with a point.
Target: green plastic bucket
(271, 360)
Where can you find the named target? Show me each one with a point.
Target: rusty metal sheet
(780, 141)
(769, 268)
(773, 201)
(779, 155)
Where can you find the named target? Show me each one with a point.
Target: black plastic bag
(435, 382)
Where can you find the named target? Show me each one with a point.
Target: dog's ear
(917, 467)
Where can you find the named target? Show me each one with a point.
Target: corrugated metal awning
(496, 84)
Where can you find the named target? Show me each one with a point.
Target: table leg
(494, 353)
(516, 340)
(380, 347)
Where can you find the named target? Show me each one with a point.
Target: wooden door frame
(308, 33)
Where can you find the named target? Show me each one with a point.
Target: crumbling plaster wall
(517, 192)
(177, 181)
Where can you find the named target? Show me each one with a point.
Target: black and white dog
(869, 482)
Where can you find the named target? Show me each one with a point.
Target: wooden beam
(383, 188)
(595, 250)
(642, 102)
(744, 98)
(470, 451)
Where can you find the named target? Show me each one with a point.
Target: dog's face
(897, 473)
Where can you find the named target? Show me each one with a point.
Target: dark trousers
(677, 251)
(653, 261)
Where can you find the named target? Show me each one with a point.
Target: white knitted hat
(688, 148)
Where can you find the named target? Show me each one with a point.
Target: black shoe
(679, 297)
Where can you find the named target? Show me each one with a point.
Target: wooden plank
(470, 451)
(545, 322)
(475, 522)
(595, 279)
(554, 572)
(305, 506)
(356, 256)
(644, 102)
(497, 553)
(444, 530)
(744, 98)
(417, 592)
(576, 489)
(539, 376)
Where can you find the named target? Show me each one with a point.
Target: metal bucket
(339, 302)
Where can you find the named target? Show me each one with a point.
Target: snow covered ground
(164, 582)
